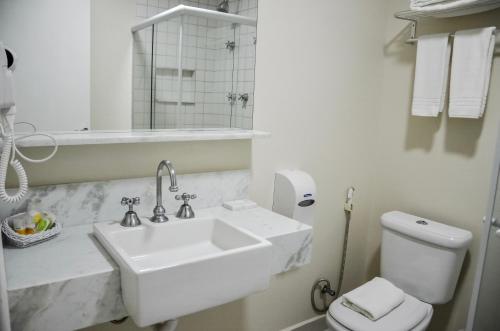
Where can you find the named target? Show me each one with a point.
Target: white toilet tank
(422, 257)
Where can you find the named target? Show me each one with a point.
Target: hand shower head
(223, 6)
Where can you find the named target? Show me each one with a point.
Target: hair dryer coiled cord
(8, 157)
(8, 144)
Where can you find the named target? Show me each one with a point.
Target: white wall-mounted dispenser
(295, 195)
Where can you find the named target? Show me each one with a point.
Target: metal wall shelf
(467, 9)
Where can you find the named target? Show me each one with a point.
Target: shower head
(223, 6)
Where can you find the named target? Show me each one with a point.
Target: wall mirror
(132, 64)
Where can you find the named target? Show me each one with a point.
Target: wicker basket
(19, 240)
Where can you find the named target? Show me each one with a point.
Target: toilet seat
(412, 314)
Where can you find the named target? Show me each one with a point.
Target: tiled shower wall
(210, 70)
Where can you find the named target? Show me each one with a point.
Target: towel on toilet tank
(374, 299)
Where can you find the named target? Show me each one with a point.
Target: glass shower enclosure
(194, 68)
(485, 302)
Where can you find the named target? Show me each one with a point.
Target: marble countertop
(74, 253)
(124, 137)
(61, 274)
(77, 253)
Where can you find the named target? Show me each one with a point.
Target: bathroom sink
(183, 266)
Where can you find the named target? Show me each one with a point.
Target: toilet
(421, 257)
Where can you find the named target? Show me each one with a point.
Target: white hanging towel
(471, 72)
(374, 299)
(431, 75)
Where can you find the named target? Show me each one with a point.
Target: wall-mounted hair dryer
(7, 116)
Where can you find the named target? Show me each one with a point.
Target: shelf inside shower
(167, 89)
(174, 102)
(169, 71)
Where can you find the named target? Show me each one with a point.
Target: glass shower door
(485, 307)
(194, 67)
(192, 76)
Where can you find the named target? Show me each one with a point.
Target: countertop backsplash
(84, 203)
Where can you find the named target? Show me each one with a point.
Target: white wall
(52, 41)
(111, 90)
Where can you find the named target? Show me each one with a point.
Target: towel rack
(412, 16)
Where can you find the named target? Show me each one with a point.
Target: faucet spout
(159, 211)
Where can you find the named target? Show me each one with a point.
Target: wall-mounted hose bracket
(323, 287)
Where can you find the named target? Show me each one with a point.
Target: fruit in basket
(41, 220)
(43, 224)
(37, 217)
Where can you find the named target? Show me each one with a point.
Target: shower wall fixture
(193, 65)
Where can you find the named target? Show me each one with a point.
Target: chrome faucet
(159, 211)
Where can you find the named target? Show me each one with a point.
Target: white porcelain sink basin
(183, 266)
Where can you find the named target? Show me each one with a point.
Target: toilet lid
(404, 317)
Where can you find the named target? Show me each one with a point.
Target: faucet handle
(131, 202)
(186, 197)
(185, 211)
(130, 219)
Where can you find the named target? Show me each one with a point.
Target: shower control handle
(243, 97)
(231, 98)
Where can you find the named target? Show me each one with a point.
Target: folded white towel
(374, 299)
(431, 75)
(471, 72)
(407, 315)
(432, 5)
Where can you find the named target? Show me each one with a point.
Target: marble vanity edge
(68, 305)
